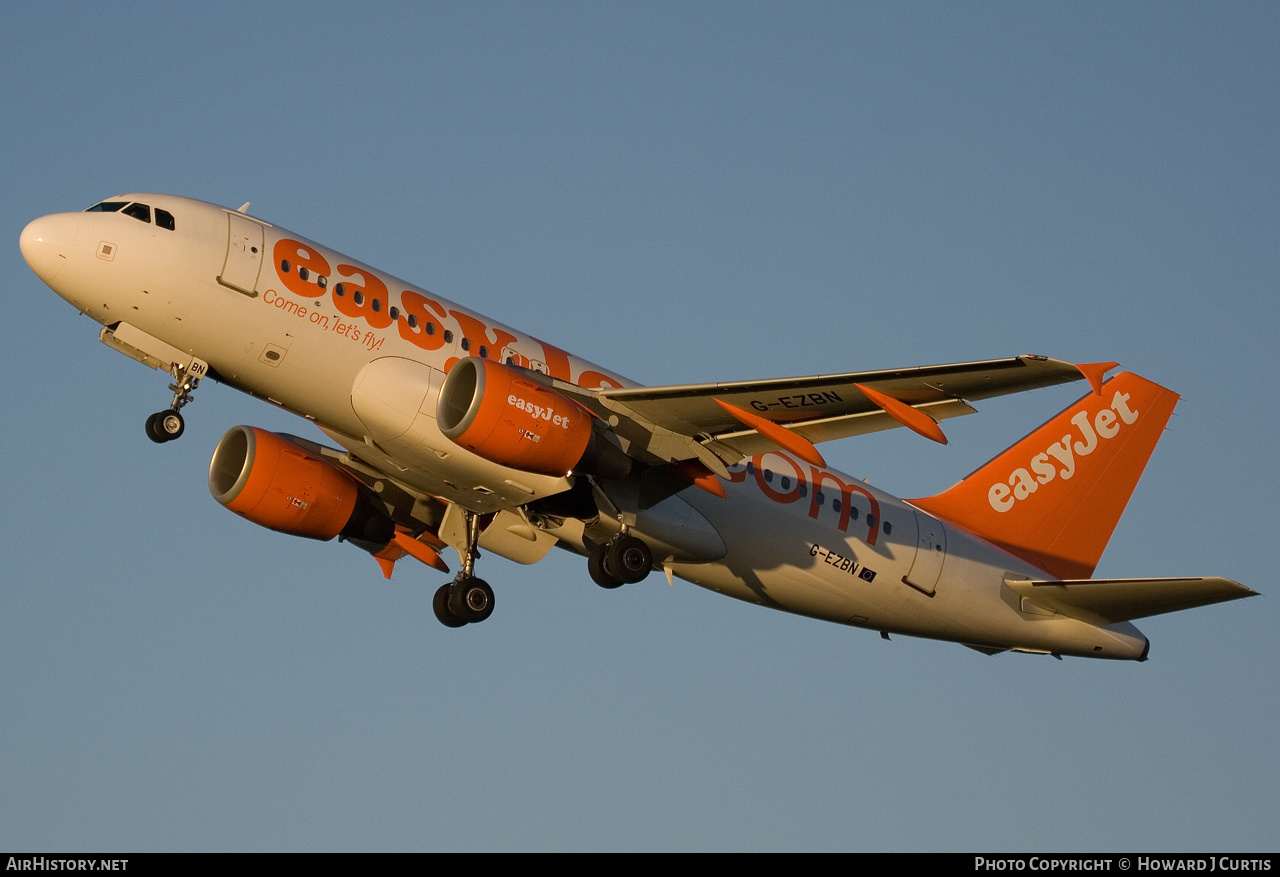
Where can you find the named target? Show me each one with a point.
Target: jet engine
(267, 479)
(510, 419)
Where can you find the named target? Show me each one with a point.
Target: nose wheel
(165, 426)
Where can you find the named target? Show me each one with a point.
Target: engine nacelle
(503, 416)
(269, 480)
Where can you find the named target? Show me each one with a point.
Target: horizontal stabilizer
(1117, 600)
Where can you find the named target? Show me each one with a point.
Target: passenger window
(106, 207)
(164, 219)
(140, 212)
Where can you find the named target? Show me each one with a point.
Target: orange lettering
(363, 295)
(767, 489)
(299, 258)
(557, 361)
(846, 501)
(477, 334)
(426, 334)
(596, 381)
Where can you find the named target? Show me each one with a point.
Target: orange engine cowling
(507, 418)
(273, 482)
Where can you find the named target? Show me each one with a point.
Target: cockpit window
(138, 211)
(164, 219)
(106, 207)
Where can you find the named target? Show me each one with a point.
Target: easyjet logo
(1061, 459)
(537, 412)
(362, 296)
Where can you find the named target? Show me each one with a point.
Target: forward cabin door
(244, 254)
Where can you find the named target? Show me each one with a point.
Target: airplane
(455, 431)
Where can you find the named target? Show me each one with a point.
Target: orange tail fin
(1054, 498)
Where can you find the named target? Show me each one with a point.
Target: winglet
(1094, 372)
(783, 438)
(913, 419)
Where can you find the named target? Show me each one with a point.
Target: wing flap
(1117, 600)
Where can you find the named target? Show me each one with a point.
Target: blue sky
(680, 192)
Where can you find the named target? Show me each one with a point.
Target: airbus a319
(455, 431)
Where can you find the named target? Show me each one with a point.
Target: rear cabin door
(931, 553)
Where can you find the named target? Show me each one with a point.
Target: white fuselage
(311, 339)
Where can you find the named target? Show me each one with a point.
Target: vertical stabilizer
(1054, 498)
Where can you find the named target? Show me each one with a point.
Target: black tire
(471, 599)
(440, 604)
(167, 425)
(153, 432)
(628, 559)
(600, 575)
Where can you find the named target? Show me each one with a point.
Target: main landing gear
(165, 426)
(467, 599)
(623, 560)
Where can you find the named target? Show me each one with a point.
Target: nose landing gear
(165, 426)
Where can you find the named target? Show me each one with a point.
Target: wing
(706, 422)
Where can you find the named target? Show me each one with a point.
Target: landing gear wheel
(471, 599)
(441, 606)
(597, 571)
(165, 426)
(628, 559)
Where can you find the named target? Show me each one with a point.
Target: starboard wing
(684, 422)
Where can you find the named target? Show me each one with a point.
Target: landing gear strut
(623, 560)
(165, 426)
(467, 599)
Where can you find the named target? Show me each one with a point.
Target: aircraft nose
(46, 242)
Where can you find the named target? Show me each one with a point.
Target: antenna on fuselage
(244, 208)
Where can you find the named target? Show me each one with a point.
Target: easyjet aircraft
(457, 431)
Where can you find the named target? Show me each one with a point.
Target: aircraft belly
(806, 565)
